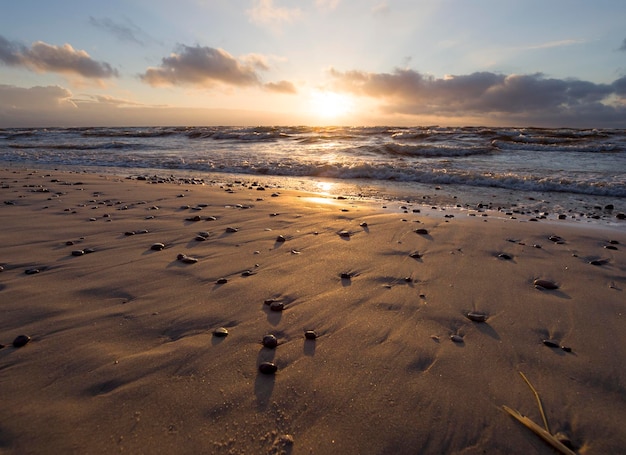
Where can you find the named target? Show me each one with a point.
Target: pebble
(344, 234)
(456, 338)
(346, 276)
(545, 284)
(204, 234)
(277, 306)
(157, 246)
(476, 317)
(200, 238)
(20, 340)
(231, 229)
(186, 259)
(599, 262)
(610, 247)
(363, 224)
(247, 273)
(32, 271)
(78, 253)
(222, 281)
(506, 257)
(270, 341)
(193, 218)
(220, 332)
(421, 231)
(268, 368)
(310, 335)
(551, 343)
(89, 250)
(281, 238)
(415, 255)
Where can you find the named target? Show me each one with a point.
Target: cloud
(43, 57)
(327, 5)
(14, 98)
(202, 67)
(129, 32)
(264, 12)
(623, 46)
(406, 91)
(281, 87)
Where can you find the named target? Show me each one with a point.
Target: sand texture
(123, 358)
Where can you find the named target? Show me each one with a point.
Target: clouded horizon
(317, 62)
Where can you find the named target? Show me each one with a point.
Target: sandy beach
(422, 320)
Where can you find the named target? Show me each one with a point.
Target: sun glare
(330, 104)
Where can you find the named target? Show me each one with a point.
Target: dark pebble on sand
(476, 317)
(555, 239)
(310, 335)
(157, 246)
(270, 341)
(551, 343)
(421, 231)
(280, 238)
(194, 218)
(200, 238)
(621, 216)
(220, 332)
(32, 271)
(69, 243)
(89, 250)
(545, 284)
(20, 340)
(566, 348)
(78, 253)
(268, 368)
(277, 306)
(599, 262)
(506, 257)
(231, 229)
(363, 224)
(456, 338)
(222, 281)
(415, 255)
(344, 234)
(614, 242)
(346, 276)
(247, 273)
(610, 247)
(186, 259)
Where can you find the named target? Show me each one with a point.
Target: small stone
(32, 271)
(614, 242)
(555, 239)
(199, 238)
(270, 341)
(421, 231)
(599, 262)
(78, 253)
(20, 340)
(363, 224)
(476, 317)
(157, 246)
(415, 255)
(204, 234)
(222, 281)
(89, 250)
(277, 306)
(186, 259)
(69, 243)
(506, 257)
(610, 247)
(247, 273)
(194, 218)
(456, 338)
(310, 335)
(344, 234)
(345, 276)
(220, 332)
(268, 368)
(551, 343)
(281, 238)
(545, 284)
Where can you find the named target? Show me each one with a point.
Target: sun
(330, 104)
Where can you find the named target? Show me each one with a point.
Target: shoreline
(123, 357)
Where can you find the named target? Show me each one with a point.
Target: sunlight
(330, 104)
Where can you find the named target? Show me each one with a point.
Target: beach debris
(268, 368)
(544, 433)
(220, 332)
(20, 340)
(186, 259)
(310, 334)
(421, 231)
(476, 317)
(545, 284)
(270, 341)
(157, 246)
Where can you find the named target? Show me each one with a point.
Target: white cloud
(264, 12)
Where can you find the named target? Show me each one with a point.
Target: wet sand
(123, 356)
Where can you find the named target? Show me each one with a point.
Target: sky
(552, 63)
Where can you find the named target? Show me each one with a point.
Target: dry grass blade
(543, 434)
(539, 404)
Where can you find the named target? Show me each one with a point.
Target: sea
(578, 172)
